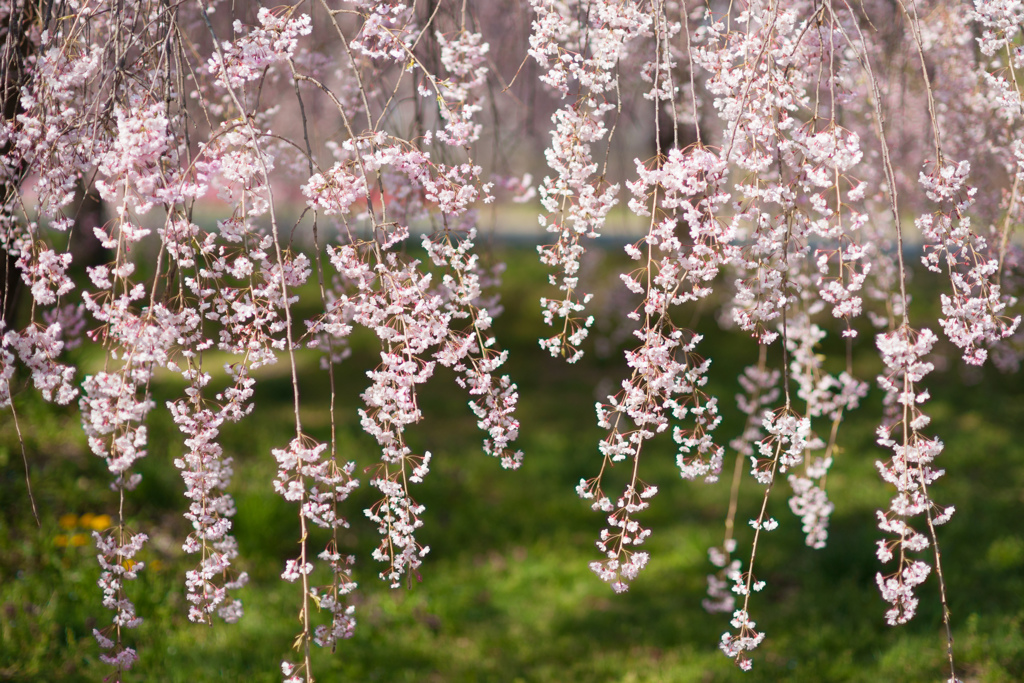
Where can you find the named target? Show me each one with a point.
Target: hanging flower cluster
(787, 154)
(580, 57)
(909, 470)
(179, 129)
(251, 159)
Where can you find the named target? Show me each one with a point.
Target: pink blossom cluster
(974, 317)
(319, 484)
(471, 352)
(331, 598)
(52, 135)
(825, 395)
(232, 164)
(665, 386)
(798, 169)
(787, 438)
(335, 190)
(38, 350)
(909, 470)
(331, 483)
(412, 317)
(584, 53)
(387, 30)
(746, 639)
(131, 169)
(760, 391)
(248, 57)
(116, 549)
(207, 474)
(464, 59)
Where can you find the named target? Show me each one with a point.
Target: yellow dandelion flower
(98, 522)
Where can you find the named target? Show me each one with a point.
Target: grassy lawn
(506, 594)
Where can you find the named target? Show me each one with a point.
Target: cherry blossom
(275, 180)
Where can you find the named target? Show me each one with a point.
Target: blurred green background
(506, 594)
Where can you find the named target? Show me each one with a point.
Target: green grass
(506, 594)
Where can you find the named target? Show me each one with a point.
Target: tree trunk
(17, 47)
